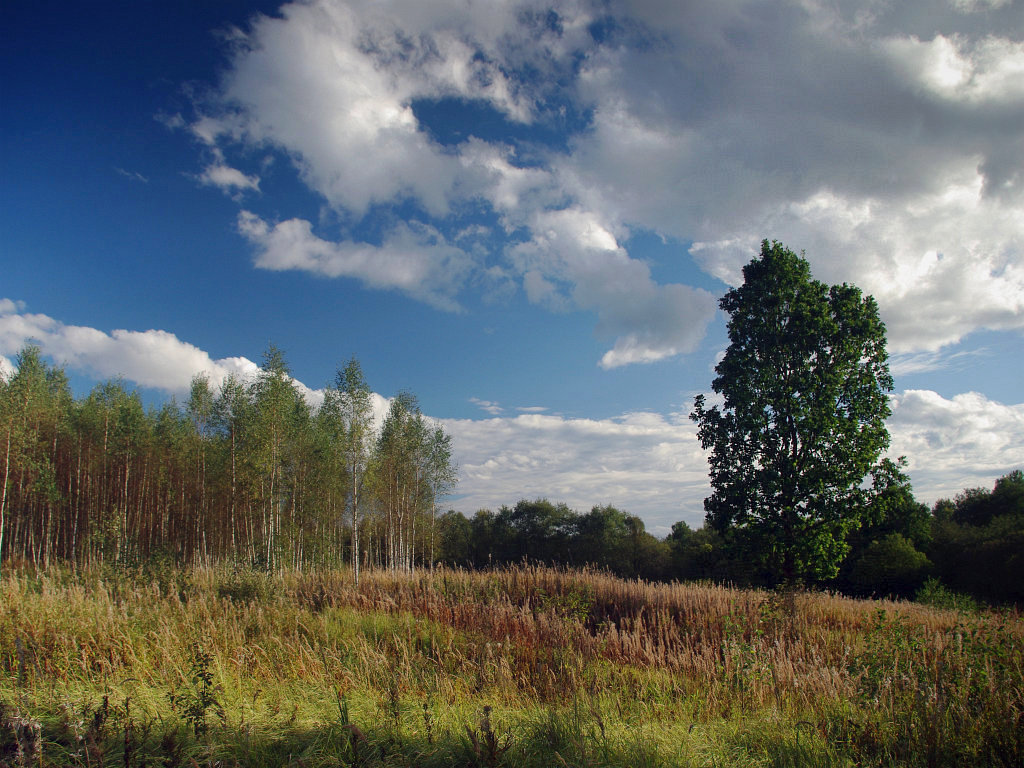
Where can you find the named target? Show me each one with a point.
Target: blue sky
(523, 212)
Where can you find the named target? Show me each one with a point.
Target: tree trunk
(3, 496)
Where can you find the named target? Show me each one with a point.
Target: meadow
(520, 667)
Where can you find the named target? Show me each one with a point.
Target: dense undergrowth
(524, 667)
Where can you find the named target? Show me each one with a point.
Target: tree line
(248, 472)
(972, 544)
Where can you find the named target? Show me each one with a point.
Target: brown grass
(882, 681)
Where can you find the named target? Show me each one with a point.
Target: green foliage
(980, 506)
(574, 604)
(702, 555)
(455, 539)
(1008, 495)
(544, 532)
(484, 746)
(247, 473)
(889, 566)
(985, 561)
(246, 586)
(977, 541)
(893, 509)
(535, 530)
(804, 383)
(946, 691)
(935, 594)
(609, 538)
(165, 570)
(973, 506)
(195, 702)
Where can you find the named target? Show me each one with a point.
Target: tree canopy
(804, 386)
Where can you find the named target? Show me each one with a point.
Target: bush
(890, 566)
(245, 586)
(937, 595)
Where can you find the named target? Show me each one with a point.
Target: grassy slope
(527, 667)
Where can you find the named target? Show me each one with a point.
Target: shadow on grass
(95, 738)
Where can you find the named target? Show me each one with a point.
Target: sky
(523, 212)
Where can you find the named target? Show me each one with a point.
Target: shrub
(937, 595)
(890, 566)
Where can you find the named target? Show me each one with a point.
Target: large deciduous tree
(804, 384)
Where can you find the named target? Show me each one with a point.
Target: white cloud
(154, 358)
(870, 138)
(228, 179)
(652, 465)
(953, 444)
(151, 358)
(333, 84)
(413, 259)
(951, 264)
(645, 463)
(961, 69)
(885, 139)
(648, 321)
(488, 406)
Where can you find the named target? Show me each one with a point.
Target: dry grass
(580, 665)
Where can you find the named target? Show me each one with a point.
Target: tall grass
(526, 666)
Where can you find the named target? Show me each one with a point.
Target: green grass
(527, 667)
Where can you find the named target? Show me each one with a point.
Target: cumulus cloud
(955, 443)
(961, 69)
(951, 265)
(333, 84)
(228, 179)
(649, 322)
(414, 259)
(646, 463)
(152, 358)
(885, 140)
(652, 464)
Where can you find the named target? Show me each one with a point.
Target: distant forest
(973, 544)
(249, 473)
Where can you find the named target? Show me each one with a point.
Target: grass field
(524, 667)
